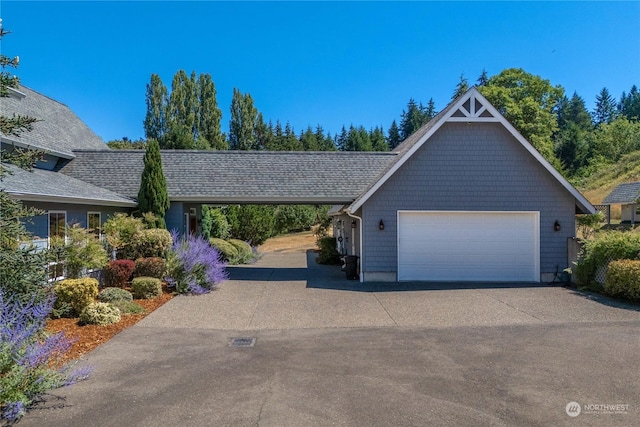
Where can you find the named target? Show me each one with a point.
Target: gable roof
(625, 193)
(59, 130)
(47, 186)
(238, 176)
(470, 107)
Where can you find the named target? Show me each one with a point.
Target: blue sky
(312, 63)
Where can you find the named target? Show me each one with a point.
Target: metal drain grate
(242, 342)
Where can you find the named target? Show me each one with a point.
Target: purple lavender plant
(29, 356)
(195, 267)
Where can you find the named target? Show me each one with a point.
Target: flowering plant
(30, 359)
(194, 266)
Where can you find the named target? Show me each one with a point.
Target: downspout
(361, 253)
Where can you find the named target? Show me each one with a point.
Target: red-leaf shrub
(117, 272)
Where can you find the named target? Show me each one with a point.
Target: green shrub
(150, 267)
(128, 307)
(214, 223)
(99, 313)
(146, 287)
(290, 218)
(251, 223)
(118, 272)
(73, 295)
(328, 252)
(245, 252)
(82, 251)
(605, 247)
(119, 231)
(228, 252)
(114, 294)
(623, 279)
(149, 243)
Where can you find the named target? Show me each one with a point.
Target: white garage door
(468, 246)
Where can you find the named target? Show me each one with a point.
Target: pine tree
(309, 140)
(378, 141)
(483, 79)
(412, 119)
(629, 105)
(325, 143)
(430, 112)
(605, 109)
(244, 116)
(341, 139)
(461, 87)
(152, 196)
(393, 137)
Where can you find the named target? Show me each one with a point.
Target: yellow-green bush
(227, 251)
(153, 242)
(99, 313)
(245, 253)
(146, 287)
(623, 279)
(73, 295)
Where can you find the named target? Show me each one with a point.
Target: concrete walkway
(292, 291)
(331, 352)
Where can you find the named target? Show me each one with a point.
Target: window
(57, 224)
(94, 223)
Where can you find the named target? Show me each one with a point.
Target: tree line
(565, 132)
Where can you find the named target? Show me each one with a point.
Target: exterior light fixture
(381, 225)
(556, 226)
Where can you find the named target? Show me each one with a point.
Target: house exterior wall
(76, 214)
(468, 167)
(174, 217)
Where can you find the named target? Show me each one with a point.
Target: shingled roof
(59, 130)
(623, 194)
(43, 185)
(238, 176)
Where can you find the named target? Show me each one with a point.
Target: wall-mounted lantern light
(381, 225)
(556, 226)
(353, 224)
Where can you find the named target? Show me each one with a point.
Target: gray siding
(469, 167)
(39, 226)
(174, 217)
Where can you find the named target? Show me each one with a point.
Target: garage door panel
(468, 246)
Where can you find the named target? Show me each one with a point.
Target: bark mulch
(88, 337)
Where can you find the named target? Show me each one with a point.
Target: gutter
(360, 231)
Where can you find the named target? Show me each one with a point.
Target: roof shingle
(625, 193)
(237, 176)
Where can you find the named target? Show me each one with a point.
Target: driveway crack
(509, 305)
(385, 309)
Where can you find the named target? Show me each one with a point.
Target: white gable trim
(486, 113)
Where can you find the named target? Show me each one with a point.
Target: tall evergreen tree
(412, 119)
(244, 117)
(483, 79)
(430, 111)
(358, 139)
(309, 140)
(152, 196)
(629, 105)
(378, 141)
(209, 115)
(155, 125)
(461, 87)
(341, 139)
(393, 137)
(325, 143)
(605, 109)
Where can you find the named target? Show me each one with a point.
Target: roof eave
(34, 197)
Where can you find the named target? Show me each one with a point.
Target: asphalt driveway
(327, 351)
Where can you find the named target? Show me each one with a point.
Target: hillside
(603, 180)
